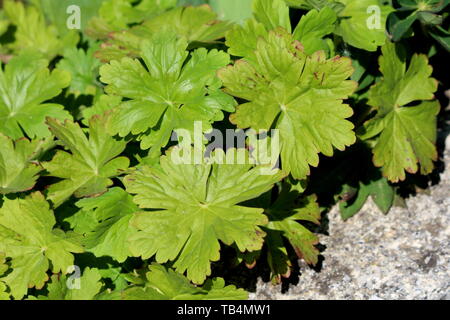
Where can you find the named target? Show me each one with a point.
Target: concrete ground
(402, 255)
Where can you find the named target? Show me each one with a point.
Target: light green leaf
(113, 212)
(4, 23)
(18, 170)
(268, 15)
(193, 24)
(33, 33)
(56, 11)
(407, 134)
(197, 206)
(32, 243)
(85, 287)
(284, 216)
(362, 23)
(232, 10)
(121, 13)
(166, 284)
(83, 67)
(242, 40)
(25, 84)
(297, 94)
(103, 104)
(168, 93)
(272, 14)
(3, 288)
(88, 170)
(3, 294)
(313, 27)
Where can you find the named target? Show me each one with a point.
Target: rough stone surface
(403, 255)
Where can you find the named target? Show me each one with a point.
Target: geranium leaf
(197, 205)
(166, 284)
(405, 135)
(31, 242)
(297, 94)
(25, 84)
(93, 160)
(171, 95)
(18, 170)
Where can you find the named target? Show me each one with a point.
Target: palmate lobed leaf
(378, 189)
(28, 237)
(25, 85)
(120, 13)
(34, 34)
(93, 161)
(85, 287)
(285, 230)
(194, 24)
(300, 95)
(83, 67)
(310, 31)
(197, 205)
(361, 27)
(18, 170)
(165, 284)
(56, 12)
(405, 135)
(105, 222)
(3, 268)
(314, 26)
(168, 93)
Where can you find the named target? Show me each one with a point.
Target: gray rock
(402, 255)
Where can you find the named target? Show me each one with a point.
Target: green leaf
(424, 5)
(3, 294)
(442, 36)
(199, 24)
(305, 4)
(242, 40)
(88, 170)
(3, 288)
(232, 10)
(102, 105)
(272, 14)
(381, 192)
(85, 287)
(120, 13)
(191, 2)
(33, 33)
(56, 11)
(297, 94)
(168, 93)
(26, 83)
(31, 242)
(18, 170)
(284, 216)
(313, 27)
(399, 26)
(83, 67)
(113, 212)
(193, 24)
(268, 15)
(197, 206)
(407, 134)
(166, 284)
(358, 25)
